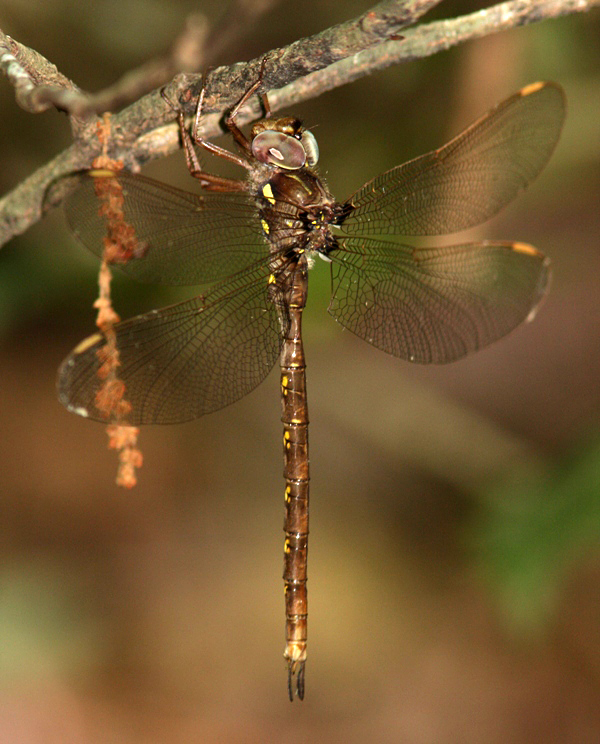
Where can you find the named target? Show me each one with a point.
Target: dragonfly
(249, 245)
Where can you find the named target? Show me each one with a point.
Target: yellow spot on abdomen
(265, 226)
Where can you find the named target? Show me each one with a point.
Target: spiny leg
(230, 119)
(207, 180)
(215, 149)
(230, 122)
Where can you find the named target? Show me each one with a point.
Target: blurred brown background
(454, 567)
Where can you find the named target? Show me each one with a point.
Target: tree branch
(40, 86)
(302, 70)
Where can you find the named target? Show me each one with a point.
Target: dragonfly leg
(230, 122)
(207, 180)
(209, 146)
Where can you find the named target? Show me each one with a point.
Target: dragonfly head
(284, 143)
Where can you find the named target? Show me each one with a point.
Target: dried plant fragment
(120, 246)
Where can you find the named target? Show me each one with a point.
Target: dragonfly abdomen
(294, 410)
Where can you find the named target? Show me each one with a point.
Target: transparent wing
(435, 305)
(468, 180)
(186, 360)
(174, 237)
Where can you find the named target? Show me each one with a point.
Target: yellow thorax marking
(268, 193)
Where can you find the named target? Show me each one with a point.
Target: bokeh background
(454, 564)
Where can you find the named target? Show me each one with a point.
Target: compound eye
(276, 148)
(310, 147)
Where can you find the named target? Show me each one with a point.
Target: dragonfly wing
(186, 360)
(468, 180)
(435, 305)
(171, 236)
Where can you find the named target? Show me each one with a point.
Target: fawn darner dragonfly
(251, 243)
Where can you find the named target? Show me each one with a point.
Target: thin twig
(300, 71)
(426, 40)
(225, 85)
(40, 86)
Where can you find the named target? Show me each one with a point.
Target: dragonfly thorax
(296, 211)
